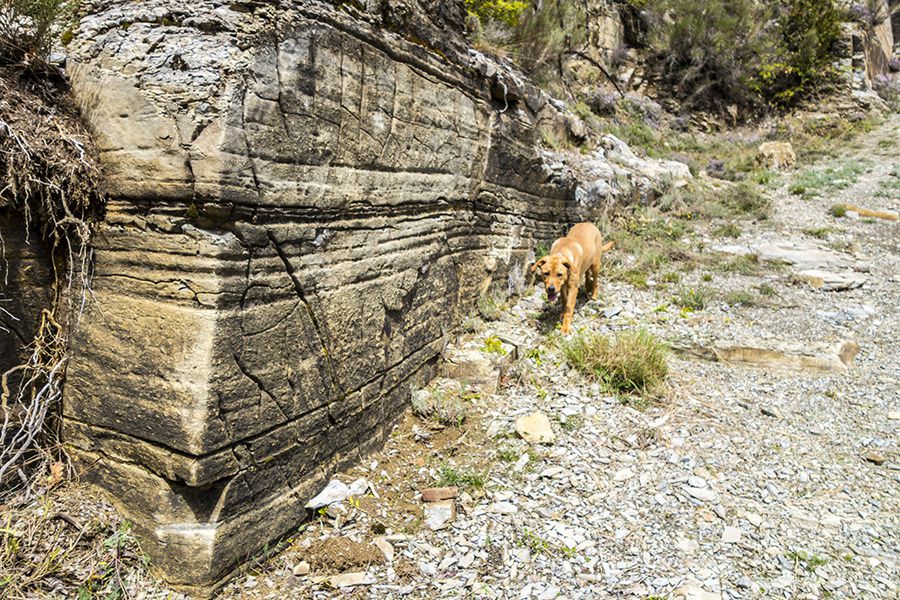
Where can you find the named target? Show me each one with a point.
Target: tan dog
(571, 256)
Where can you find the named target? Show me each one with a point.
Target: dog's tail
(607, 247)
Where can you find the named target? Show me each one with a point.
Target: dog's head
(554, 270)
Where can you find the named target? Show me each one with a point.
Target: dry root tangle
(48, 178)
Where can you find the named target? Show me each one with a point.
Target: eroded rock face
(304, 198)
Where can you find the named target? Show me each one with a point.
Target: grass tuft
(450, 477)
(838, 210)
(729, 230)
(690, 298)
(633, 362)
(818, 232)
(444, 404)
(491, 305)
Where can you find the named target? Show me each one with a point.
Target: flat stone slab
(803, 256)
(786, 355)
(830, 281)
(474, 368)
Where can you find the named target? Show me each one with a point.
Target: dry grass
(68, 544)
(492, 304)
(742, 200)
(632, 362)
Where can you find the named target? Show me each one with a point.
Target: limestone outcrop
(304, 198)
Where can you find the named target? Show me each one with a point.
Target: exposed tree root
(47, 175)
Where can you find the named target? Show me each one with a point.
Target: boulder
(535, 429)
(777, 156)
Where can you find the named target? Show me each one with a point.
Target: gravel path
(745, 482)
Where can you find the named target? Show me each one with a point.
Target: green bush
(802, 60)
(707, 51)
(28, 27)
(507, 12)
(744, 52)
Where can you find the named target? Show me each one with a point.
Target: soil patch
(339, 554)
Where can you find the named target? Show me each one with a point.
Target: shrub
(507, 12)
(27, 27)
(707, 51)
(805, 37)
(744, 52)
(632, 362)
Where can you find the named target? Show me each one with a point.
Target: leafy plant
(810, 562)
(507, 12)
(690, 298)
(493, 345)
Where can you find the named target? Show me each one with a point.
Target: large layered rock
(304, 198)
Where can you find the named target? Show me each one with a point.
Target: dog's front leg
(570, 295)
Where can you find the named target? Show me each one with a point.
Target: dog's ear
(538, 263)
(570, 270)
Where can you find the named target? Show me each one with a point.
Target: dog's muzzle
(551, 295)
